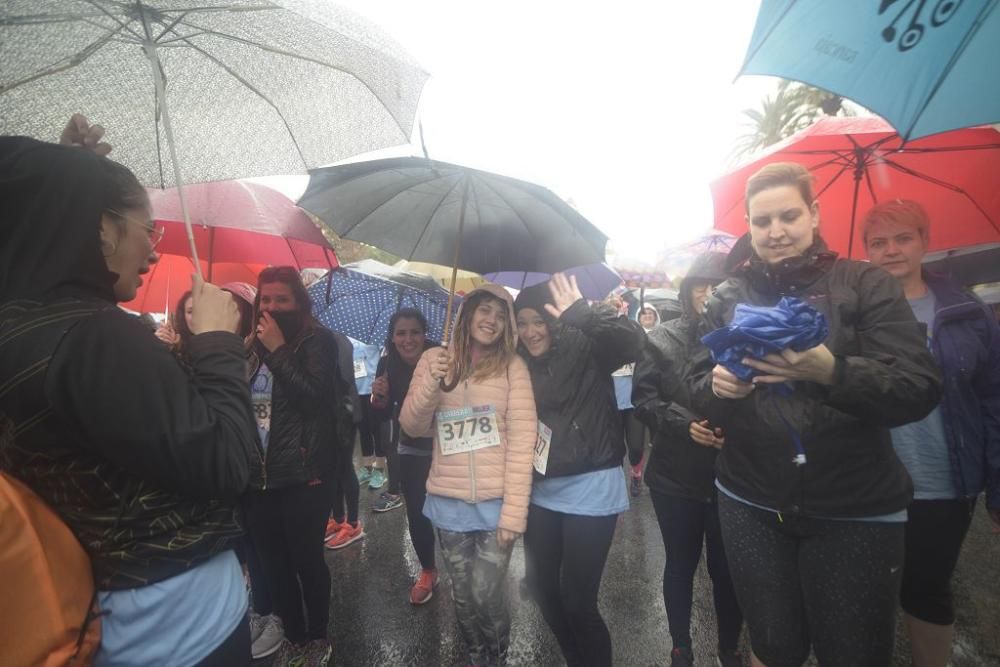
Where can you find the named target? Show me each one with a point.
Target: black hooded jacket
(884, 377)
(141, 458)
(574, 390)
(678, 466)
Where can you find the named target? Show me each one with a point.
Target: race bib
(260, 401)
(360, 369)
(542, 448)
(467, 429)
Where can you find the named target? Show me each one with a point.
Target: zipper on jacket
(472, 460)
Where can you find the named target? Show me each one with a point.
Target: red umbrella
(239, 228)
(859, 162)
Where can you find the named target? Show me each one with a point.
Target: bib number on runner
(542, 448)
(360, 369)
(467, 429)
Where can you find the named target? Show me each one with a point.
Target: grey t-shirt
(922, 446)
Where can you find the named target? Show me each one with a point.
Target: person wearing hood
(812, 497)
(474, 401)
(571, 349)
(300, 398)
(648, 317)
(143, 458)
(681, 470)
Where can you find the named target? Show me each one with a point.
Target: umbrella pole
(149, 47)
(859, 170)
(454, 266)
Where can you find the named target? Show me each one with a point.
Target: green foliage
(351, 251)
(793, 107)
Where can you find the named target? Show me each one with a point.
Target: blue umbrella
(926, 67)
(359, 299)
(595, 281)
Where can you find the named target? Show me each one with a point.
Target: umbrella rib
(437, 207)
(364, 217)
(944, 184)
(122, 25)
(966, 40)
(250, 87)
(298, 56)
(831, 182)
(519, 216)
(77, 59)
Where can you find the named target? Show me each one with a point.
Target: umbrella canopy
(418, 209)
(254, 88)
(643, 275)
(170, 277)
(359, 299)
(676, 260)
(925, 67)
(465, 281)
(596, 281)
(858, 162)
(970, 266)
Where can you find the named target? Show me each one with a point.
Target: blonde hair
(495, 360)
(777, 174)
(901, 211)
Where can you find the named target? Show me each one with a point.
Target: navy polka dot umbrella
(359, 299)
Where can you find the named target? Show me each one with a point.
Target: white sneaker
(269, 639)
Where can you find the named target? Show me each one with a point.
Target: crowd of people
(206, 469)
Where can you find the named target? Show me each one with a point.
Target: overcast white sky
(627, 108)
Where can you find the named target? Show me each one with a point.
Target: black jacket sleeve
(653, 391)
(309, 374)
(894, 381)
(134, 403)
(384, 413)
(615, 339)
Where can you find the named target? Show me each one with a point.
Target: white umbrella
(224, 88)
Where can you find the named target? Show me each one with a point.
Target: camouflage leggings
(477, 565)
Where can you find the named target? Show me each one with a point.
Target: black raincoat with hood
(574, 390)
(884, 377)
(142, 459)
(678, 466)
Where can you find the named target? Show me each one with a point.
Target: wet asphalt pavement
(372, 622)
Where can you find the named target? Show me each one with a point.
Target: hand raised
(564, 294)
(79, 132)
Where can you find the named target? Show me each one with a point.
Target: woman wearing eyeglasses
(142, 462)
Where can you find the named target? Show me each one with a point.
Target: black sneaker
(681, 656)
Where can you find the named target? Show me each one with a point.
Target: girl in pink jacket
(475, 401)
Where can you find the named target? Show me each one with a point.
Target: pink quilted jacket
(495, 472)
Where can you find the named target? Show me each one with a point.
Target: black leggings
(234, 651)
(345, 487)
(684, 525)
(413, 472)
(287, 527)
(366, 429)
(935, 531)
(565, 556)
(635, 436)
(803, 581)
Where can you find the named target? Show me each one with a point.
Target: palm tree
(793, 107)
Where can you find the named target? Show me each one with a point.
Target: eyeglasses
(155, 231)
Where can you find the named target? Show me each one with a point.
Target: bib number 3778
(467, 429)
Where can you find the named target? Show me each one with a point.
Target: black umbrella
(430, 211)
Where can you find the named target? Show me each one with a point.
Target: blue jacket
(966, 344)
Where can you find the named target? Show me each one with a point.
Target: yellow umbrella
(465, 281)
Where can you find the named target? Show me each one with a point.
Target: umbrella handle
(454, 277)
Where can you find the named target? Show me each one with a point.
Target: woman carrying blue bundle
(812, 498)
